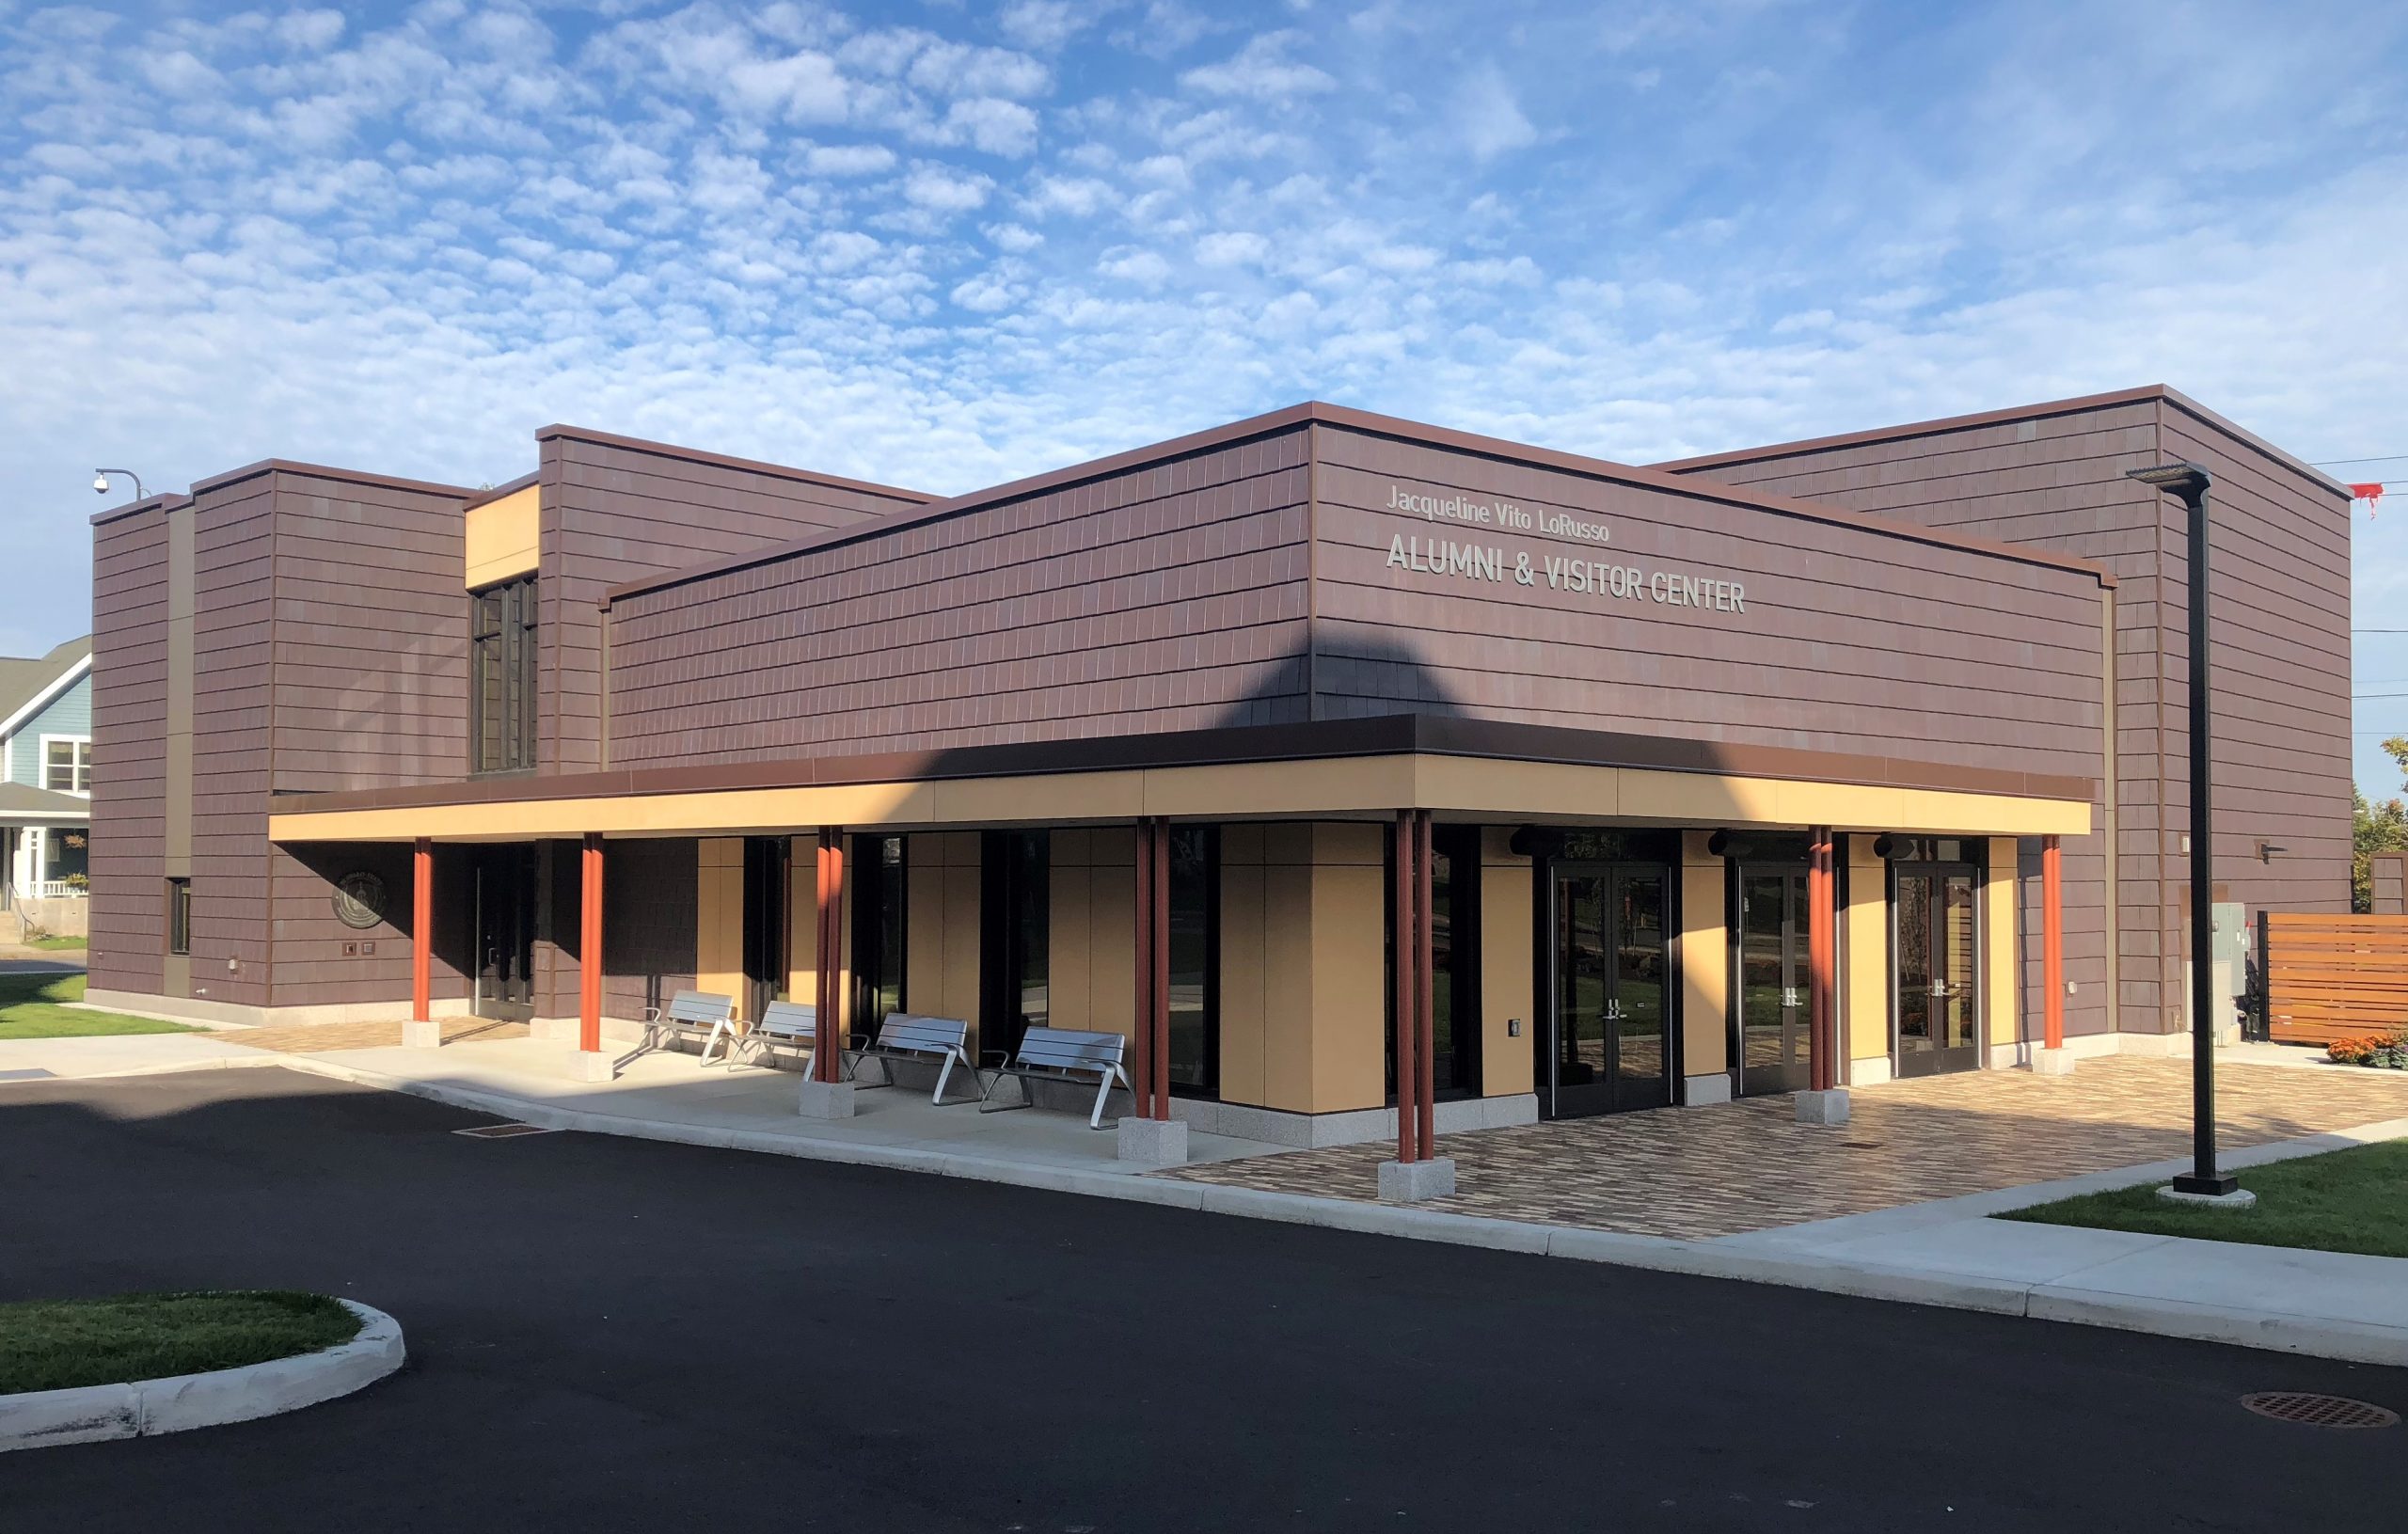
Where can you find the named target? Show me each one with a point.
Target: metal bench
(795, 1023)
(701, 1012)
(1061, 1054)
(903, 1035)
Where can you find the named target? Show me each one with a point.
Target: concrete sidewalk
(1948, 1252)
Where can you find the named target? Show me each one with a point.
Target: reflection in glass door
(1773, 1019)
(1936, 994)
(1610, 1046)
(502, 895)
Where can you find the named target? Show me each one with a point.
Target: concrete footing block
(2240, 1198)
(1410, 1183)
(1152, 1142)
(825, 1099)
(2047, 1062)
(422, 1036)
(592, 1065)
(1826, 1108)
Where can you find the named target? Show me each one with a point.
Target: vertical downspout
(2110, 790)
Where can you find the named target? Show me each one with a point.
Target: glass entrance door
(504, 897)
(1773, 1027)
(1936, 997)
(1608, 1045)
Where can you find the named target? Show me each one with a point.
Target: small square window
(67, 766)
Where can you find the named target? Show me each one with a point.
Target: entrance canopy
(1458, 768)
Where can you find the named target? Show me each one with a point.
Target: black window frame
(502, 634)
(178, 924)
(1206, 839)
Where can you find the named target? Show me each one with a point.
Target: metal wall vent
(2319, 1410)
(502, 1131)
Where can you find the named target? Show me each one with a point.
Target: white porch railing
(54, 888)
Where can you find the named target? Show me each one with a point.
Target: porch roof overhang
(23, 805)
(1461, 768)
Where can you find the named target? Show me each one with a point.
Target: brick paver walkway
(322, 1037)
(1704, 1172)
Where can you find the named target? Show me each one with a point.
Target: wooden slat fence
(2329, 977)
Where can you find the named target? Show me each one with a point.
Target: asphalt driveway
(619, 1335)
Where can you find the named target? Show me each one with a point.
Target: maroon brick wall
(2052, 476)
(1169, 595)
(128, 771)
(232, 718)
(614, 509)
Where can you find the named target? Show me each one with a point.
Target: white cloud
(847, 159)
(1262, 71)
(1491, 120)
(1013, 239)
(1128, 263)
(993, 126)
(941, 191)
(1238, 248)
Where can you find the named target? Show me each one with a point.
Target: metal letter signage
(1570, 575)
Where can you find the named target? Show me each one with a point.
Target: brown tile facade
(2052, 476)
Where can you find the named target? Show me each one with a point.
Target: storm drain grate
(29, 1075)
(1860, 1145)
(502, 1131)
(2319, 1410)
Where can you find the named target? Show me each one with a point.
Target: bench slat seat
(794, 1024)
(1062, 1054)
(701, 1012)
(943, 1042)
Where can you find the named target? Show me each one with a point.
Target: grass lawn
(33, 1006)
(2354, 1200)
(55, 1344)
(60, 945)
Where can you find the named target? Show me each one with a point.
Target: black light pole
(2191, 483)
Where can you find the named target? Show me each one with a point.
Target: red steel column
(1407, 1004)
(1425, 1043)
(589, 948)
(1818, 961)
(1141, 1016)
(421, 929)
(2053, 941)
(828, 1048)
(1161, 947)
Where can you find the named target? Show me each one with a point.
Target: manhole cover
(2319, 1410)
(502, 1131)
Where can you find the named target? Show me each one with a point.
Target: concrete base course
(1151, 1142)
(145, 1408)
(422, 1036)
(1829, 1109)
(825, 1099)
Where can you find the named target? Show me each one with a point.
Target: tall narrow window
(1017, 876)
(1194, 960)
(179, 916)
(879, 870)
(501, 677)
(1455, 961)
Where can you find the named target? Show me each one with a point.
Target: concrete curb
(145, 1408)
(1729, 1258)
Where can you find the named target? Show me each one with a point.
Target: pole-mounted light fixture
(2191, 481)
(101, 481)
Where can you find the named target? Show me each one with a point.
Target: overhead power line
(2344, 462)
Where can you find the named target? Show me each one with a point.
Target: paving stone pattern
(1705, 1172)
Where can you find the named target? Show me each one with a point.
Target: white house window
(67, 765)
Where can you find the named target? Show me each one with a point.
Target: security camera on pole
(101, 481)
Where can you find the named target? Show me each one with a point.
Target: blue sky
(939, 245)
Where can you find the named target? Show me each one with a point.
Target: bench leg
(1102, 1096)
(942, 1076)
(1025, 1101)
(717, 1029)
